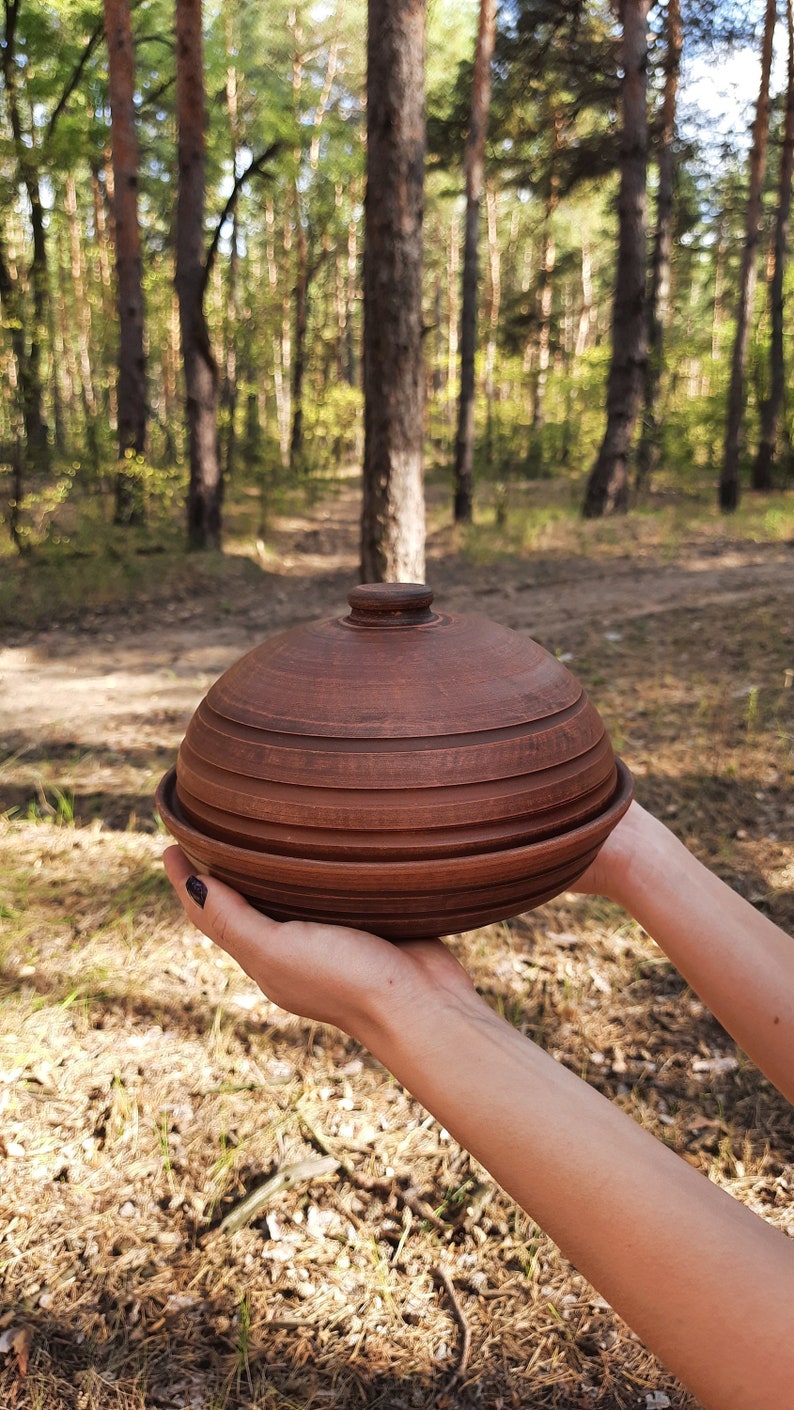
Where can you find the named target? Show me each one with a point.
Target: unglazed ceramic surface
(398, 769)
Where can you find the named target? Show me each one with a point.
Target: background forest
(277, 267)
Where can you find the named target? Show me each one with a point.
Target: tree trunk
(282, 340)
(59, 434)
(130, 507)
(100, 234)
(101, 272)
(170, 366)
(351, 361)
(200, 367)
(772, 407)
(39, 279)
(659, 294)
(474, 165)
(607, 485)
(584, 330)
(393, 511)
(300, 296)
(10, 305)
(494, 305)
(729, 480)
(342, 338)
(548, 260)
(62, 345)
(304, 268)
(453, 322)
(229, 394)
(36, 435)
(81, 309)
(718, 314)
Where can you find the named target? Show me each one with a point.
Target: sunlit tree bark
(492, 314)
(729, 480)
(393, 511)
(474, 168)
(11, 308)
(659, 292)
(548, 260)
(229, 389)
(131, 392)
(32, 346)
(307, 259)
(608, 483)
(772, 405)
(200, 367)
(300, 299)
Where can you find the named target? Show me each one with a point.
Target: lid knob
(391, 604)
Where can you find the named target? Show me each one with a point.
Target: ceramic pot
(402, 770)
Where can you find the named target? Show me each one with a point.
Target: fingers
(224, 916)
(177, 867)
(330, 974)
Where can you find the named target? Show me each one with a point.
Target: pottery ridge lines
(395, 775)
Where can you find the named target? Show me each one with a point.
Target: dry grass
(146, 1088)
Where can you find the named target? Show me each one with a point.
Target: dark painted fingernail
(196, 890)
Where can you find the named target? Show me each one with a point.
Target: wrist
(411, 1015)
(640, 850)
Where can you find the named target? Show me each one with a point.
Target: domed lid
(393, 733)
(393, 668)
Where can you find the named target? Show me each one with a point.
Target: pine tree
(659, 290)
(131, 391)
(200, 368)
(608, 482)
(474, 166)
(772, 406)
(393, 511)
(729, 479)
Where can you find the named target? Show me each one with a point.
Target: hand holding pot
(330, 974)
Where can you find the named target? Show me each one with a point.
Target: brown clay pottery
(398, 769)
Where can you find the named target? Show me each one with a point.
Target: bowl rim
(506, 863)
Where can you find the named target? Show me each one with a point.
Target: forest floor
(146, 1088)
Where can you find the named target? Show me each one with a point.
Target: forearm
(704, 1282)
(736, 959)
(707, 1284)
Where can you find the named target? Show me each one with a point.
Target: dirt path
(132, 680)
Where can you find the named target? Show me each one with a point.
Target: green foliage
(291, 77)
(336, 427)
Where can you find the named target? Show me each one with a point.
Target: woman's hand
(327, 973)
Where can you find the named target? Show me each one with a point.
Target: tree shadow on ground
(178, 1359)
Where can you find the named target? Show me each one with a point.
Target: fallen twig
(442, 1276)
(373, 1184)
(284, 1179)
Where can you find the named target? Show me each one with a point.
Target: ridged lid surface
(391, 733)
